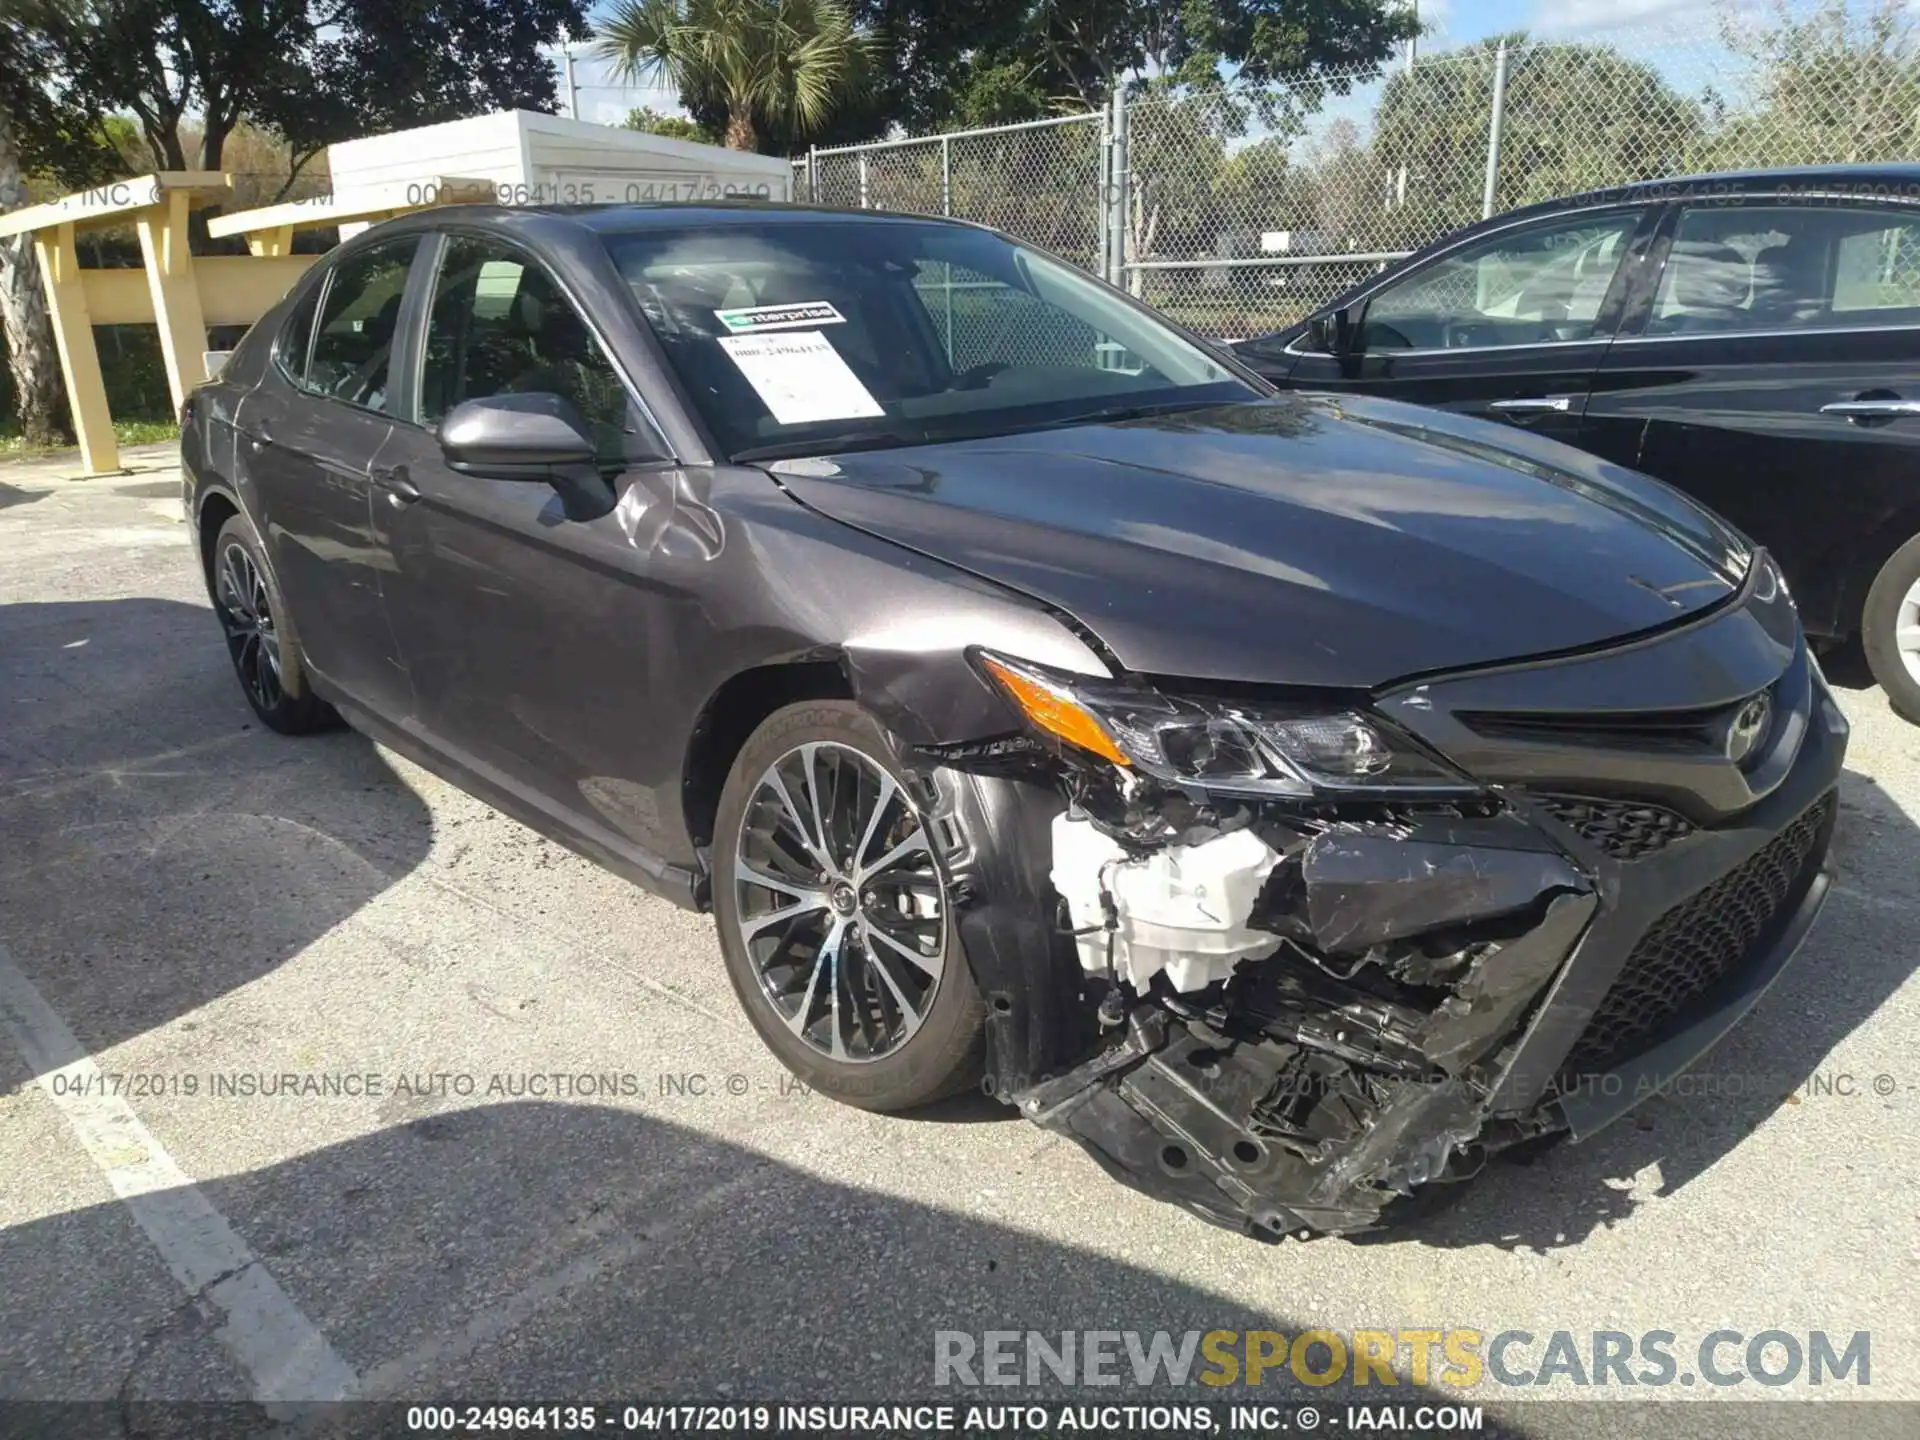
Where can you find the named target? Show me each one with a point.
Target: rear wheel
(834, 914)
(260, 635)
(1890, 629)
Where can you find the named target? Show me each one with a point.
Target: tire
(1893, 606)
(892, 1055)
(266, 656)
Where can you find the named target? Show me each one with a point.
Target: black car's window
(353, 348)
(1521, 287)
(499, 325)
(982, 321)
(791, 335)
(1786, 267)
(296, 335)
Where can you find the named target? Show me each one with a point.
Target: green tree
(1831, 86)
(41, 134)
(938, 64)
(674, 127)
(1092, 45)
(773, 65)
(311, 71)
(1576, 116)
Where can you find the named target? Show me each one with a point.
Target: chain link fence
(1241, 211)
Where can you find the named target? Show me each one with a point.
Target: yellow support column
(275, 242)
(176, 296)
(79, 360)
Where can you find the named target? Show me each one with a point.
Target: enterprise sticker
(801, 315)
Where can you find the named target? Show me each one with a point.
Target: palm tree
(782, 63)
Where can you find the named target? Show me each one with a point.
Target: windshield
(809, 336)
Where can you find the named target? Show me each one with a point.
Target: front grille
(1696, 944)
(1657, 731)
(1622, 829)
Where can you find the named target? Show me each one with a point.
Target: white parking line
(285, 1357)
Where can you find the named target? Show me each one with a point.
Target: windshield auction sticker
(800, 377)
(802, 315)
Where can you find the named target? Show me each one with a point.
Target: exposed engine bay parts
(1316, 1004)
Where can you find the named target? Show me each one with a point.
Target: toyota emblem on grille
(1749, 725)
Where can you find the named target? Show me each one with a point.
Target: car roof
(1879, 181)
(670, 215)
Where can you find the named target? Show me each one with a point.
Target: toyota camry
(1295, 799)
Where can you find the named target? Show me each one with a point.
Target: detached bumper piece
(1314, 1089)
(1434, 988)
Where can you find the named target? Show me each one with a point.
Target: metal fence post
(1103, 189)
(813, 174)
(1117, 193)
(946, 176)
(1493, 129)
(863, 180)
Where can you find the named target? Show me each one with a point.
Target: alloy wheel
(1906, 630)
(247, 615)
(841, 910)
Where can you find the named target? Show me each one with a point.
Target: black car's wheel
(835, 917)
(1890, 629)
(260, 634)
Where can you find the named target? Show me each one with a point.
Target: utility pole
(573, 89)
(1493, 129)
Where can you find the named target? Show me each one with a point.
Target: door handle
(1872, 409)
(399, 489)
(1534, 405)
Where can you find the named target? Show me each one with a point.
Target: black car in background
(1294, 800)
(1753, 339)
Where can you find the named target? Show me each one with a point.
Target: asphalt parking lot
(204, 907)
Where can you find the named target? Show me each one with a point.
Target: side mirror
(515, 437)
(535, 436)
(1337, 332)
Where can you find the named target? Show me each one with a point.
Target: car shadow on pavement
(162, 847)
(564, 1252)
(1773, 1067)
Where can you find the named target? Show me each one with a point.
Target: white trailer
(533, 159)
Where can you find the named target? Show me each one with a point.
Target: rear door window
(353, 347)
(290, 346)
(1788, 267)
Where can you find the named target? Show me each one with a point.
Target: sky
(1453, 23)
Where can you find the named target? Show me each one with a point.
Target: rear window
(829, 334)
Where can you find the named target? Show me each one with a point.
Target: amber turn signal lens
(1054, 712)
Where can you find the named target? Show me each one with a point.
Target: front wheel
(1890, 629)
(835, 917)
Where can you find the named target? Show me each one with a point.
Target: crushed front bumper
(1451, 985)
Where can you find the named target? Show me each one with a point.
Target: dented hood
(1305, 540)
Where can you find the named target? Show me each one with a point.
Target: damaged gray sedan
(1296, 800)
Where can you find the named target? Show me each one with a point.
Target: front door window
(499, 325)
(1537, 285)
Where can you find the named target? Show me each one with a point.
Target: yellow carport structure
(177, 291)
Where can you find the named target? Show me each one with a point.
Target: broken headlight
(1251, 747)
